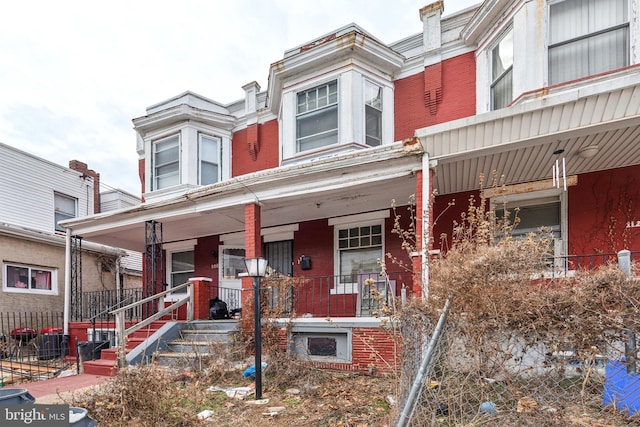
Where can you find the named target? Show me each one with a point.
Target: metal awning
(521, 142)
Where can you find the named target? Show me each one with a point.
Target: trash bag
(218, 309)
(251, 370)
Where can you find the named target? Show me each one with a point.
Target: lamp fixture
(588, 152)
(257, 268)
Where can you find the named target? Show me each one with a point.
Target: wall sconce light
(588, 152)
(214, 254)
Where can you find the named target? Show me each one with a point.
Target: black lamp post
(257, 268)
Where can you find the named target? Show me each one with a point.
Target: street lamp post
(257, 268)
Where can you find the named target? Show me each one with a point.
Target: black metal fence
(32, 346)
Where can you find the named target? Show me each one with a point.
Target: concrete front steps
(170, 343)
(199, 342)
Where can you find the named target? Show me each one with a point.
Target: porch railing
(359, 295)
(122, 332)
(95, 304)
(569, 263)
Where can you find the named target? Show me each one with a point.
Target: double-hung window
(182, 268)
(27, 278)
(373, 114)
(502, 72)
(359, 251)
(166, 162)
(64, 208)
(587, 37)
(209, 157)
(317, 117)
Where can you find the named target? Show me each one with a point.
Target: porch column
(424, 203)
(200, 297)
(416, 256)
(252, 248)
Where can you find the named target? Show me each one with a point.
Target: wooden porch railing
(122, 333)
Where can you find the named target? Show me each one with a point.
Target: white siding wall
(27, 187)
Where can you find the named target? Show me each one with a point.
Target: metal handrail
(122, 332)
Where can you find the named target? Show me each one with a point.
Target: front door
(231, 267)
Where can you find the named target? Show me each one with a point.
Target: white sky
(73, 74)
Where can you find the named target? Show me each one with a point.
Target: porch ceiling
(350, 185)
(519, 142)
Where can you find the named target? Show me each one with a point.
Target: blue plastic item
(251, 370)
(621, 389)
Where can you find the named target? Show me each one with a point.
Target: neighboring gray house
(34, 195)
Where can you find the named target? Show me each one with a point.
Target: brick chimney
(79, 166)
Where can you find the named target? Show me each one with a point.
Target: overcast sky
(73, 74)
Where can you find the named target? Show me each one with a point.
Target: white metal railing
(122, 333)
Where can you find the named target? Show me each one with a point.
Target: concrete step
(206, 335)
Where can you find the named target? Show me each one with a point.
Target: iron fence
(358, 295)
(32, 346)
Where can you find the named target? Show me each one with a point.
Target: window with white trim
(166, 162)
(29, 279)
(502, 72)
(182, 268)
(64, 208)
(587, 37)
(534, 214)
(359, 250)
(209, 159)
(317, 117)
(373, 113)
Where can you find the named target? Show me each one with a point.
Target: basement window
(322, 347)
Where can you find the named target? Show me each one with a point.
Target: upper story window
(317, 117)
(502, 72)
(587, 37)
(209, 157)
(64, 208)
(373, 113)
(31, 279)
(166, 163)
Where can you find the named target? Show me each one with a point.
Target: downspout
(426, 230)
(67, 291)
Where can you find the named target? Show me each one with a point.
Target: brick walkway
(56, 389)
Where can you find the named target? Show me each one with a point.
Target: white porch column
(67, 282)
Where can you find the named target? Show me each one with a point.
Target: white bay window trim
(189, 171)
(587, 37)
(351, 113)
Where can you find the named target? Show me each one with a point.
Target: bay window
(373, 114)
(317, 117)
(502, 72)
(166, 162)
(587, 37)
(209, 159)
